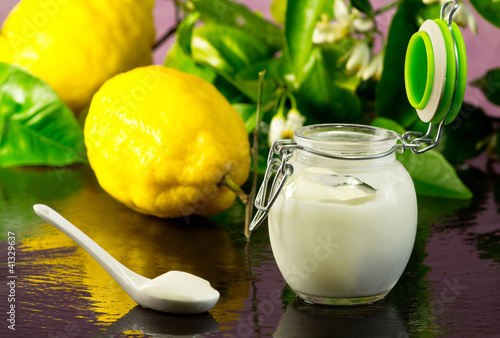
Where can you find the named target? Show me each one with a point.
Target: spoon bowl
(174, 292)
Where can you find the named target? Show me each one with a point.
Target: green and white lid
(436, 69)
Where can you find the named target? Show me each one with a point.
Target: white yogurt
(333, 240)
(182, 292)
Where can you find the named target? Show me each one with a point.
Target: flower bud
(294, 120)
(374, 68)
(362, 25)
(464, 17)
(276, 129)
(359, 59)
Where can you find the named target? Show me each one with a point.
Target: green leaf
(391, 100)
(301, 18)
(363, 6)
(328, 9)
(464, 138)
(21, 188)
(229, 58)
(386, 123)
(433, 175)
(490, 85)
(322, 97)
(233, 14)
(419, 126)
(278, 10)
(490, 10)
(227, 49)
(248, 113)
(247, 80)
(179, 55)
(177, 58)
(429, 12)
(36, 127)
(227, 88)
(185, 32)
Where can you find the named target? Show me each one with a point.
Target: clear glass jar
(342, 230)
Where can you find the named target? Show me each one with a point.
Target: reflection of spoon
(174, 291)
(154, 323)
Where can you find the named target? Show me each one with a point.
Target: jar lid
(436, 70)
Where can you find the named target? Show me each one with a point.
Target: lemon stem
(228, 182)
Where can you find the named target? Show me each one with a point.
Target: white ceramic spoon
(173, 292)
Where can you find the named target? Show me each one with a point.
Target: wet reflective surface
(451, 286)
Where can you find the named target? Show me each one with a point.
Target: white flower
(276, 129)
(281, 129)
(464, 17)
(340, 9)
(358, 59)
(361, 24)
(329, 33)
(294, 120)
(374, 68)
(344, 23)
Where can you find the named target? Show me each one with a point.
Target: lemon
(161, 141)
(76, 45)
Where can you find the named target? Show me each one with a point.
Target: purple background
(482, 49)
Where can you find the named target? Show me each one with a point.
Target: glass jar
(343, 223)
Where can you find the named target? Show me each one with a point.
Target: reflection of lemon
(150, 251)
(76, 45)
(161, 141)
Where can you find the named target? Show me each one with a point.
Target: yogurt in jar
(342, 231)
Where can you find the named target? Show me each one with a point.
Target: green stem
(293, 101)
(228, 182)
(281, 106)
(255, 158)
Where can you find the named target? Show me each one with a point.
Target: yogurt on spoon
(173, 292)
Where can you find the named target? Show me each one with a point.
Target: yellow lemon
(161, 141)
(76, 45)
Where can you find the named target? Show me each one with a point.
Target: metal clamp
(413, 140)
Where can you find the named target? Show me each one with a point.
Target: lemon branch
(228, 182)
(255, 157)
(171, 31)
(165, 37)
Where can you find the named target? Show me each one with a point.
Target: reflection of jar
(303, 320)
(342, 229)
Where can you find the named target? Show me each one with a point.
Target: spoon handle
(125, 277)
